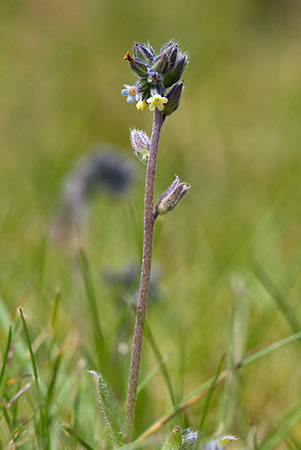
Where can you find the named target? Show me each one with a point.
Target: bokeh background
(231, 249)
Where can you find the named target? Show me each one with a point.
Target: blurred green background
(236, 139)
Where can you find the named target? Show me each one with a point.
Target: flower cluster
(158, 84)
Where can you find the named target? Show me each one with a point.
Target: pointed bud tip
(127, 57)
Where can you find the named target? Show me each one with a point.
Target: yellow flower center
(132, 91)
(157, 100)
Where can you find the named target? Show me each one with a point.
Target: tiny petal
(124, 92)
(141, 105)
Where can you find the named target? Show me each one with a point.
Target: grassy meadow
(227, 260)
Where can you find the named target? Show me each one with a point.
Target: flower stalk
(145, 273)
(159, 88)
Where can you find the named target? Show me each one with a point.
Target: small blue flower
(151, 72)
(131, 93)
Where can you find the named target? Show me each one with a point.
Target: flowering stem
(145, 273)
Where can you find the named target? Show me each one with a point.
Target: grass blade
(162, 366)
(280, 431)
(148, 377)
(54, 375)
(204, 388)
(7, 348)
(91, 297)
(6, 416)
(32, 357)
(277, 296)
(76, 436)
(57, 298)
(265, 351)
(5, 323)
(18, 395)
(210, 393)
(36, 378)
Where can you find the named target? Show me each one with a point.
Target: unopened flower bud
(171, 197)
(175, 74)
(174, 97)
(144, 52)
(161, 63)
(173, 57)
(137, 65)
(189, 438)
(174, 440)
(141, 144)
(167, 46)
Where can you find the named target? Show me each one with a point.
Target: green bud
(174, 97)
(173, 57)
(174, 440)
(175, 74)
(161, 64)
(141, 144)
(171, 197)
(139, 67)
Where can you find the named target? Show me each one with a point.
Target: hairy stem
(145, 273)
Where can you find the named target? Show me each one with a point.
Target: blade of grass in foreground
(279, 431)
(210, 393)
(227, 403)
(204, 388)
(6, 416)
(91, 297)
(76, 436)
(50, 390)
(57, 297)
(7, 348)
(44, 432)
(148, 377)
(277, 296)
(5, 323)
(162, 366)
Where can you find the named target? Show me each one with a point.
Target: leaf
(107, 406)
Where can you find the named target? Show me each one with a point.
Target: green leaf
(107, 406)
